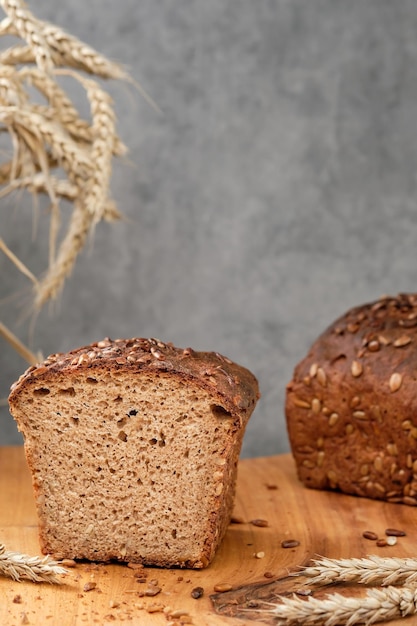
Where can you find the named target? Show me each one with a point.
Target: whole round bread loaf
(351, 407)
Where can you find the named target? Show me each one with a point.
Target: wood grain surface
(251, 559)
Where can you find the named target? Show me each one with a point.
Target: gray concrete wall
(277, 188)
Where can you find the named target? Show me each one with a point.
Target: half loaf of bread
(133, 448)
(351, 406)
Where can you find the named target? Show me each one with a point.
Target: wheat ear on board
(372, 570)
(378, 605)
(37, 569)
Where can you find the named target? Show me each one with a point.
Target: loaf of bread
(133, 448)
(351, 407)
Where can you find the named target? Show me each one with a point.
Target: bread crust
(235, 384)
(351, 406)
(233, 392)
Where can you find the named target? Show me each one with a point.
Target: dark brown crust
(351, 406)
(214, 372)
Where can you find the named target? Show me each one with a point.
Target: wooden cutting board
(251, 559)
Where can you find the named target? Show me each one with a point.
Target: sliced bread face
(136, 460)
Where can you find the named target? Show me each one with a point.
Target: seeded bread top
(237, 386)
(365, 335)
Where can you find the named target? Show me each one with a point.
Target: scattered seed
(303, 592)
(152, 590)
(395, 532)
(373, 346)
(395, 381)
(197, 593)
(135, 566)
(179, 613)
(369, 534)
(268, 575)
(222, 587)
(113, 604)
(381, 543)
(89, 586)
(259, 555)
(259, 522)
(391, 541)
(290, 543)
(155, 608)
(68, 563)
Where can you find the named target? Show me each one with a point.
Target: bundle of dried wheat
(55, 151)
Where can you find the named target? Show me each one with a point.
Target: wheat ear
(11, 89)
(73, 242)
(28, 28)
(379, 605)
(372, 570)
(34, 568)
(103, 132)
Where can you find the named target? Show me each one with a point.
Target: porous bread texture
(133, 448)
(351, 407)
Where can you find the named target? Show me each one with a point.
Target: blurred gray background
(276, 189)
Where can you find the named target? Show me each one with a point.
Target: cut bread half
(133, 448)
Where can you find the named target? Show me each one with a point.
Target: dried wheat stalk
(53, 136)
(28, 28)
(373, 570)
(34, 568)
(378, 605)
(75, 238)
